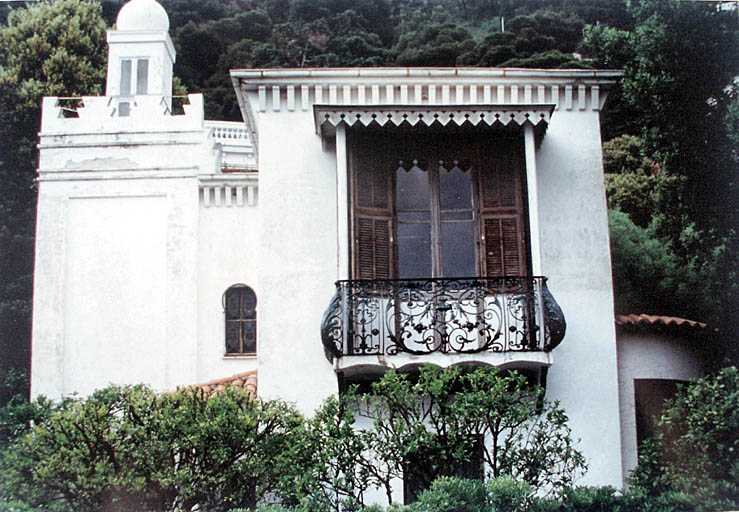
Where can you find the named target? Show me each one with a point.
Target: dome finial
(142, 15)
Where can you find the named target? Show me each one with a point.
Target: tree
(126, 448)
(695, 451)
(47, 49)
(678, 95)
(649, 277)
(448, 423)
(343, 469)
(541, 39)
(685, 55)
(634, 182)
(433, 45)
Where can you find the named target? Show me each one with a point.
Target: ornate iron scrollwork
(332, 329)
(422, 316)
(554, 320)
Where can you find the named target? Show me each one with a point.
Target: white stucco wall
(115, 285)
(576, 259)
(297, 258)
(116, 248)
(651, 355)
(157, 47)
(228, 243)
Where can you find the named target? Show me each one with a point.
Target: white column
(342, 203)
(533, 198)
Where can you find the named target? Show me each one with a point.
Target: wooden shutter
(502, 210)
(372, 211)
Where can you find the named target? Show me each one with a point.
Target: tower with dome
(140, 52)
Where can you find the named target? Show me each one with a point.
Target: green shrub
(446, 418)
(506, 494)
(16, 506)
(592, 499)
(450, 494)
(694, 456)
(126, 448)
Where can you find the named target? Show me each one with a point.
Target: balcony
(433, 320)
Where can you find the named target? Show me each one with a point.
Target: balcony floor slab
(366, 364)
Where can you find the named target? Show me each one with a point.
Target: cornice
(328, 75)
(289, 90)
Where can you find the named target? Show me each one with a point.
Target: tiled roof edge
(660, 322)
(247, 380)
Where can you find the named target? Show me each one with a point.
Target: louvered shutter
(372, 211)
(502, 210)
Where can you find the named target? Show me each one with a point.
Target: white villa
(356, 220)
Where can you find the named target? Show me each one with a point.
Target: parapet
(115, 114)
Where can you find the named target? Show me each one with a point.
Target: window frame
(383, 146)
(247, 317)
(138, 78)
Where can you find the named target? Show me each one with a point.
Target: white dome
(142, 15)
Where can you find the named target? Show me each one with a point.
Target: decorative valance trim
(329, 116)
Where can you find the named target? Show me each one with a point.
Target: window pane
(124, 109)
(458, 249)
(414, 250)
(126, 77)
(412, 189)
(456, 215)
(232, 303)
(142, 76)
(233, 337)
(250, 336)
(248, 302)
(455, 188)
(414, 216)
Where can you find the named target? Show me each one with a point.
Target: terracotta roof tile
(659, 322)
(247, 380)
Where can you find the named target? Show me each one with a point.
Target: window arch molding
(239, 303)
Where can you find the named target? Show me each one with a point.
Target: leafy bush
(19, 415)
(343, 468)
(439, 423)
(452, 494)
(591, 499)
(126, 448)
(508, 495)
(16, 506)
(695, 451)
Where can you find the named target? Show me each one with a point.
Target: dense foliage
(672, 159)
(127, 448)
(695, 451)
(442, 423)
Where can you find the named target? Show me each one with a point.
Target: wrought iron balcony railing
(423, 316)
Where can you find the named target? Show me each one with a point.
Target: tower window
(141, 78)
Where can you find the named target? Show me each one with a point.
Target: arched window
(240, 308)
